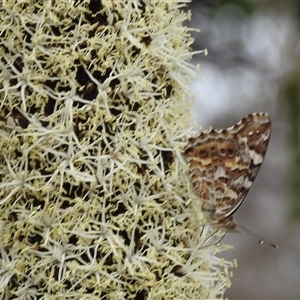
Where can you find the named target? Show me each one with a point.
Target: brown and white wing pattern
(224, 163)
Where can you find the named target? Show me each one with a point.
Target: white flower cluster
(94, 198)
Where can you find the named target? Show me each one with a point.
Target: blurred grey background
(253, 65)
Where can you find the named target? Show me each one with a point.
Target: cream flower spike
(95, 202)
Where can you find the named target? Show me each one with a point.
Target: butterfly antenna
(259, 239)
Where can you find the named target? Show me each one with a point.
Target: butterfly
(223, 163)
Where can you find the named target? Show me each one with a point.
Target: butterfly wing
(224, 163)
(254, 132)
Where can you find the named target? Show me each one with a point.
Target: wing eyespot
(203, 154)
(230, 152)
